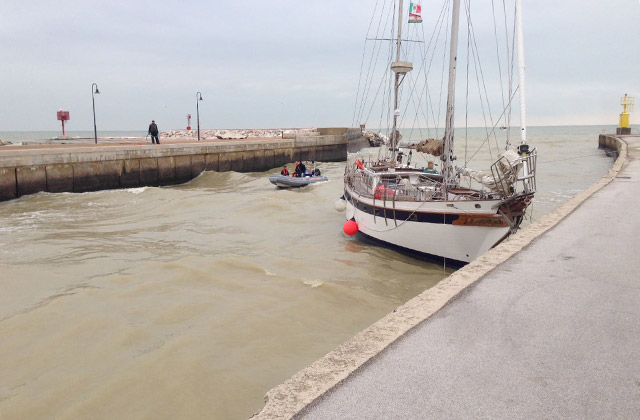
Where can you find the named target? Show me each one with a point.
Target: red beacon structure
(188, 122)
(63, 116)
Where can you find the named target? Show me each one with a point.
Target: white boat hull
(461, 242)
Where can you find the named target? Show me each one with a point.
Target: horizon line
(308, 127)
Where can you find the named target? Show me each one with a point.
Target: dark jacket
(153, 129)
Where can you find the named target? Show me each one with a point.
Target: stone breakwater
(375, 139)
(238, 134)
(81, 168)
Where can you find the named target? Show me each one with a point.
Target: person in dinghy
(298, 178)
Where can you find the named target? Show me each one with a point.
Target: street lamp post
(198, 99)
(95, 130)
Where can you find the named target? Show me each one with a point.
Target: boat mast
(396, 112)
(447, 157)
(521, 68)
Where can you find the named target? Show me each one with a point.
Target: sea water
(192, 301)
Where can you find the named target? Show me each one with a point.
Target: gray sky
(277, 63)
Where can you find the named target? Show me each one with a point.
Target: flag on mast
(415, 11)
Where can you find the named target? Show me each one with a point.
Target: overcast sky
(276, 63)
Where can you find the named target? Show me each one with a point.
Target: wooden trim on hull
(494, 220)
(516, 206)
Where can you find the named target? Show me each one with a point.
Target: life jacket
(379, 191)
(284, 171)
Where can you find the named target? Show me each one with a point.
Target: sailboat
(455, 215)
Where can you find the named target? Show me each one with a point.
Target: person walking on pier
(153, 130)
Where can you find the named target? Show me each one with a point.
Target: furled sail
(433, 147)
(504, 175)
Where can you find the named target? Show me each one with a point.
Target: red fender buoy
(350, 227)
(359, 164)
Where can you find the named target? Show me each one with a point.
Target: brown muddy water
(193, 301)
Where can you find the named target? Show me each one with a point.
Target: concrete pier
(89, 167)
(545, 325)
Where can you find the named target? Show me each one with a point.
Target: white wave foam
(138, 190)
(313, 283)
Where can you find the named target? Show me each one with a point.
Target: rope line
(364, 50)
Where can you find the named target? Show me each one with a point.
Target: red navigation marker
(63, 116)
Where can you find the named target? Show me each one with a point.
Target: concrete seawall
(610, 143)
(27, 170)
(332, 387)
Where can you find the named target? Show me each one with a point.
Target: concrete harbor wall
(28, 170)
(610, 143)
(355, 140)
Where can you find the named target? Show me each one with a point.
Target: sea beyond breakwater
(193, 300)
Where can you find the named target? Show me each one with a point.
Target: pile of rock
(4, 142)
(237, 134)
(375, 139)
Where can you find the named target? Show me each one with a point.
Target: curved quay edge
(303, 388)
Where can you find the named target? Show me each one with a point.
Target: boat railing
(372, 185)
(515, 177)
(360, 182)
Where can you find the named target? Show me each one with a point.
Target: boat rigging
(416, 208)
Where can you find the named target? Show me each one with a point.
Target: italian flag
(414, 13)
